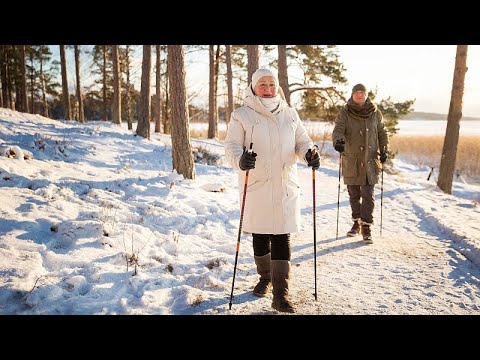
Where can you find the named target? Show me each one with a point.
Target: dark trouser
(362, 209)
(279, 244)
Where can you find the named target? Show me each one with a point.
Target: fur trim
(361, 222)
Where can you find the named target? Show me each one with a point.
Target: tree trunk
(32, 83)
(143, 126)
(282, 71)
(449, 152)
(158, 114)
(167, 128)
(10, 75)
(1, 75)
(228, 60)
(66, 97)
(105, 115)
(211, 94)
(128, 106)
(81, 116)
(215, 89)
(17, 78)
(4, 62)
(253, 60)
(23, 71)
(117, 99)
(44, 95)
(182, 156)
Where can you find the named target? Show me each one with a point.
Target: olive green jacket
(364, 137)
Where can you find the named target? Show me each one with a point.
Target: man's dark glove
(313, 159)
(383, 157)
(247, 161)
(340, 145)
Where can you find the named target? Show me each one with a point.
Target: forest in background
(29, 83)
(40, 74)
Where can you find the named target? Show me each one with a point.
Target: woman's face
(266, 87)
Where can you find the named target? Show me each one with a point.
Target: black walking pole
(381, 204)
(338, 198)
(314, 227)
(239, 232)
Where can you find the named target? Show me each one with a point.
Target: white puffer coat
(279, 138)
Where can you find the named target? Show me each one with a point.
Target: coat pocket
(255, 185)
(292, 188)
(378, 166)
(350, 165)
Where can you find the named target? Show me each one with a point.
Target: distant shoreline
(417, 115)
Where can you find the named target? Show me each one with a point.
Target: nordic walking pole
(381, 204)
(338, 198)
(239, 232)
(314, 150)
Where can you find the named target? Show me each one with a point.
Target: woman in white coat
(272, 209)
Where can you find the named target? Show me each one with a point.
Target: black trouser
(279, 244)
(363, 209)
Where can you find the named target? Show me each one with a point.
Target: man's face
(359, 97)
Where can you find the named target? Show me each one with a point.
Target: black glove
(247, 161)
(339, 145)
(313, 160)
(383, 157)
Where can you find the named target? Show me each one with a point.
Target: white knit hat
(261, 72)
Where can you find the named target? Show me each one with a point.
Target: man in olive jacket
(360, 137)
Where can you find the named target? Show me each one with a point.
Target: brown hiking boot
(282, 305)
(355, 230)
(367, 235)
(261, 289)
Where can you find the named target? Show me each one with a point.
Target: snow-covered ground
(94, 194)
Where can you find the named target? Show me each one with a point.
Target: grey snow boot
(280, 279)
(263, 269)
(355, 228)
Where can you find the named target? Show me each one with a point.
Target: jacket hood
(253, 101)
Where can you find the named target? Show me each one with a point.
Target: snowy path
(68, 224)
(414, 268)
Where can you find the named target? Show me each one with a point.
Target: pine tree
(450, 143)
(182, 157)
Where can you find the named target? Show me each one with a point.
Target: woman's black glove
(313, 159)
(247, 161)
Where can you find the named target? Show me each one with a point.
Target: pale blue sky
(424, 72)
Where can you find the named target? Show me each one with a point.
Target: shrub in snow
(4, 150)
(40, 141)
(15, 152)
(203, 156)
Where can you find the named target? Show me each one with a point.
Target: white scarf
(271, 104)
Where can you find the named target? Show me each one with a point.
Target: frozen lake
(436, 127)
(406, 127)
